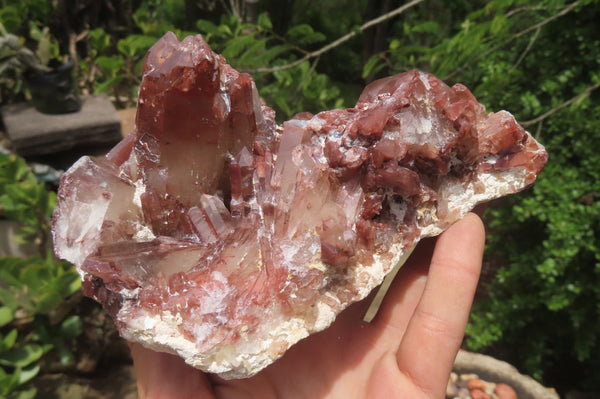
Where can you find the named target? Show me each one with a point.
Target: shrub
(32, 290)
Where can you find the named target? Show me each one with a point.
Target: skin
(406, 352)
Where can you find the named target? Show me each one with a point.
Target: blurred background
(538, 306)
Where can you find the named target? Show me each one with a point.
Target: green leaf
(304, 34)
(68, 284)
(12, 207)
(6, 315)
(105, 86)
(8, 382)
(27, 374)
(71, 327)
(9, 340)
(254, 54)
(44, 49)
(225, 31)
(99, 40)
(27, 394)
(273, 52)
(236, 45)
(22, 357)
(65, 356)
(372, 66)
(498, 23)
(135, 45)
(34, 32)
(7, 298)
(14, 169)
(11, 267)
(426, 27)
(282, 103)
(36, 276)
(10, 17)
(207, 27)
(264, 21)
(47, 302)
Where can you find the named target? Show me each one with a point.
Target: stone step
(33, 133)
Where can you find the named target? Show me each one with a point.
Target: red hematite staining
(214, 233)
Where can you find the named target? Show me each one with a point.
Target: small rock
(476, 384)
(453, 377)
(490, 389)
(463, 393)
(451, 390)
(504, 391)
(467, 377)
(463, 380)
(479, 394)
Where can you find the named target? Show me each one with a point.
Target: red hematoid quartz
(214, 233)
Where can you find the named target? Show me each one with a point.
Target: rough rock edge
(253, 353)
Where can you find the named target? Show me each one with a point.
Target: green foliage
(18, 365)
(32, 290)
(58, 337)
(14, 55)
(47, 46)
(156, 17)
(25, 45)
(118, 73)
(36, 285)
(300, 89)
(547, 296)
(115, 68)
(25, 200)
(16, 15)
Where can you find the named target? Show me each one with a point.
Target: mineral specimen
(213, 233)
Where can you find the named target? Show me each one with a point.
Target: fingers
(436, 329)
(165, 376)
(404, 294)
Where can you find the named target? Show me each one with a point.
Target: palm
(406, 352)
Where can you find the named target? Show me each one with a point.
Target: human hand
(406, 352)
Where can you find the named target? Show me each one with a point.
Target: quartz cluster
(216, 234)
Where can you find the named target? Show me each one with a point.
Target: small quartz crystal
(213, 233)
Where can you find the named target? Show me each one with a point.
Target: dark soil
(109, 383)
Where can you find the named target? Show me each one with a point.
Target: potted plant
(49, 80)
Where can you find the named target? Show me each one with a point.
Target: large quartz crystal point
(194, 111)
(214, 234)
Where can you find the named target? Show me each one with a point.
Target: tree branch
(529, 46)
(522, 9)
(342, 39)
(564, 11)
(559, 14)
(561, 106)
